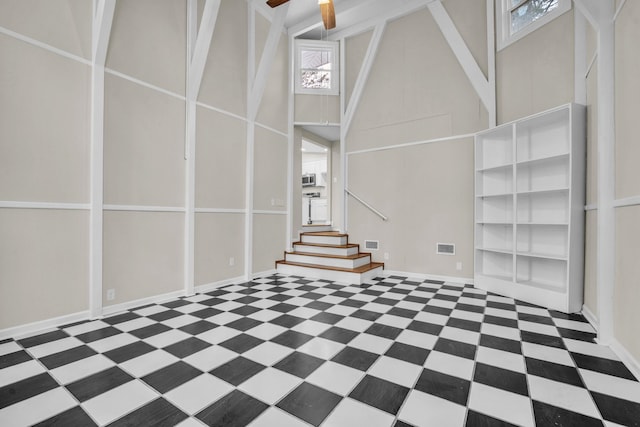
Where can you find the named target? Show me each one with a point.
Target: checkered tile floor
(286, 351)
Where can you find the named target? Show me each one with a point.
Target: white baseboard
(627, 358)
(422, 276)
(42, 325)
(263, 273)
(157, 299)
(591, 318)
(202, 289)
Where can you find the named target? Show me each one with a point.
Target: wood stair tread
(354, 256)
(323, 233)
(327, 245)
(362, 269)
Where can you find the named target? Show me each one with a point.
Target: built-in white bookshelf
(529, 208)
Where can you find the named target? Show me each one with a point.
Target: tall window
(517, 18)
(317, 67)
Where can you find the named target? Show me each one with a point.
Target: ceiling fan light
(324, 1)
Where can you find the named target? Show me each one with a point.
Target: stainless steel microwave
(309, 180)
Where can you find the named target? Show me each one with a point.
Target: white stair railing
(367, 205)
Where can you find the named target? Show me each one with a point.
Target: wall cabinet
(529, 208)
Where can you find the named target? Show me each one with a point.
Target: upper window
(317, 67)
(517, 18)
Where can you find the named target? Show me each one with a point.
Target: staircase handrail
(367, 205)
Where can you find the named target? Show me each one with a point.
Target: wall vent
(371, 245)
(446, 249)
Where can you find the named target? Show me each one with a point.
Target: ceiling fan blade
(328, 14)
(276, 3)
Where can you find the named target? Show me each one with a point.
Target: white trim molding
(626, 357)
(203, 289)
(411, 144)
(110, 310)
(45, 46)
(591, 318)
(141, 208)
(423, 276)
(627, 201)
(7, 204)
(29, 329)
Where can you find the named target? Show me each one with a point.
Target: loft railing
(367, 205)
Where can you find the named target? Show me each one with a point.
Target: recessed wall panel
(143, 254)
(143, 145)
(221, 160)
(148, 41)
(44, 125)
(270, 171)
(44, 264)
(269, 241)
(64, 24)
(219, 247)
(224, 83)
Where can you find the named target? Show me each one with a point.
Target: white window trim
(503, 22)
(302, 44)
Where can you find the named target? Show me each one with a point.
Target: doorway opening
(316, 183)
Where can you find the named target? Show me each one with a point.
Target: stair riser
(324, 240)
(337, 276)
(328, 262)
(326, 250)
(306, 229)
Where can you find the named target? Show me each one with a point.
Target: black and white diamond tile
(290, 351)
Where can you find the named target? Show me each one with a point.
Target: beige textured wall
(224, 83)
(143, 254)
(536, 72)
(269, 241)
(428, 197)
(356, 49)
(220, 160)
(65, 24)
(627, 288)
(148, 42)
(590, 262)
(44, 264)
(143, 145)
(44, 155)
(317, 109)
(44, 128)
(219, 237)
(469, 20)
(274, 106)
(270, 171)
(416, 91)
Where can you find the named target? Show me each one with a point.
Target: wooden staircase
(329, 255)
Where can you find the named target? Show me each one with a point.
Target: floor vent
(371, 245)
(446, 249)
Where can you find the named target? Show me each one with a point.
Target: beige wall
(627, 289)
(317, 109)
(269, 241)
(65, 24)
(143, 145)
(148, 42)
(416, 90)
(44, 264)
(45, 155)
(220, 160)
(428, 197)
(536, 73)
(219, 238)
(224, 84)
(44, 129)
(143, 254)
(356, 49)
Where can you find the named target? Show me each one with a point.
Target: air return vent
(446, 249)
(371, 245)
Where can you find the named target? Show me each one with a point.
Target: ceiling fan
(326, 10)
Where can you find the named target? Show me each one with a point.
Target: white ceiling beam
(363, 76)
(105, 10)
(315, 20)
(394, 11)
(266, 61)
(463, 55)
(596, 11)
(201, 51)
